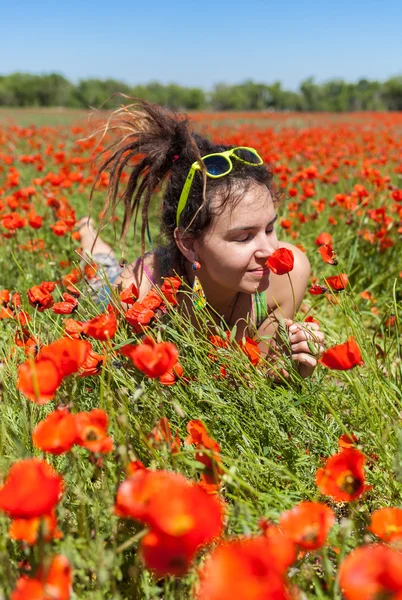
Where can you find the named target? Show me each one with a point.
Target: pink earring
(196, 266)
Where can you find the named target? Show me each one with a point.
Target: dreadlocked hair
(159, 147)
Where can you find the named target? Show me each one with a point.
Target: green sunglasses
(217, 165)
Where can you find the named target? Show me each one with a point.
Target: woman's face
(233, 250)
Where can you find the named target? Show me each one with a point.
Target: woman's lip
(259, 271)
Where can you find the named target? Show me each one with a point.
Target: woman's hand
(306, 345)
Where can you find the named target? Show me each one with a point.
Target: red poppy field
(140, 458)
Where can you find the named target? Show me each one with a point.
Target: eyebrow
(248, 227)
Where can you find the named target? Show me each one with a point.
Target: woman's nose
(267, 246)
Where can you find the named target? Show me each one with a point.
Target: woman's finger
(305, 359)
(308, 347)
(300, 336)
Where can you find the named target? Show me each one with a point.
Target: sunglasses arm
(186, 191)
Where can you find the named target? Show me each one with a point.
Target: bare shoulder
(144, 274)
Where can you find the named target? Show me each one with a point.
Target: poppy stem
(135, 538)
(293, 296)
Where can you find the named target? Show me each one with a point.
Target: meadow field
(128, 472)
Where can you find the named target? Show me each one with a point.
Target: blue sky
(203, 42)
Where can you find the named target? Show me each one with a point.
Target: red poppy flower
(57, 433)
(73, 328)
(371, 572)
(67, 354)
(40, 298)
(129, 295)
(92, 431)
(251, 349)
(48, 286)
(28, 588)
(386, 523)
(311, 319)
(4, 297)
(90, 271)
(211, 459)
(72, 277)
(134, 466)
(54, 583)
(151, 358)
(337, 282)
(23, 339)
(171, 376)
(182, 516)
(92, 365)
(162, 433)
(64, 308)
(6, 313)
(27, 530)
(307, 524)
(219, 342)
(102, 327)
(169, 289)
(328, 255)
(60, 228)
(342, 478)
(35, 221)
(242, 568)
(317, 290)
(343, 356)
(286, 223)
(138, 316)
(13, 221)
(324, 239)
(152, 300)
(165, 554)
(281, 261)
(38, 379)
(31, 489)
(347, 441)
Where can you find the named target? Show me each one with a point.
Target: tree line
(336, 95)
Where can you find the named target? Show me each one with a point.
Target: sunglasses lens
(247, 156)
(216, 165)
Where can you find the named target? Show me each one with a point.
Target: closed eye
(250, 236)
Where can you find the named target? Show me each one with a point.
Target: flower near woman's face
(343, 477)
(281, 261)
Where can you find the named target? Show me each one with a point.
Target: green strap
(260, 307)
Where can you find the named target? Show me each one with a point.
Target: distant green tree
(228, 97)
(335, 95)
(96, 93)
(311, 95)
(392, 93)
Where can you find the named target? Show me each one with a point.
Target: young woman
(218, 216)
